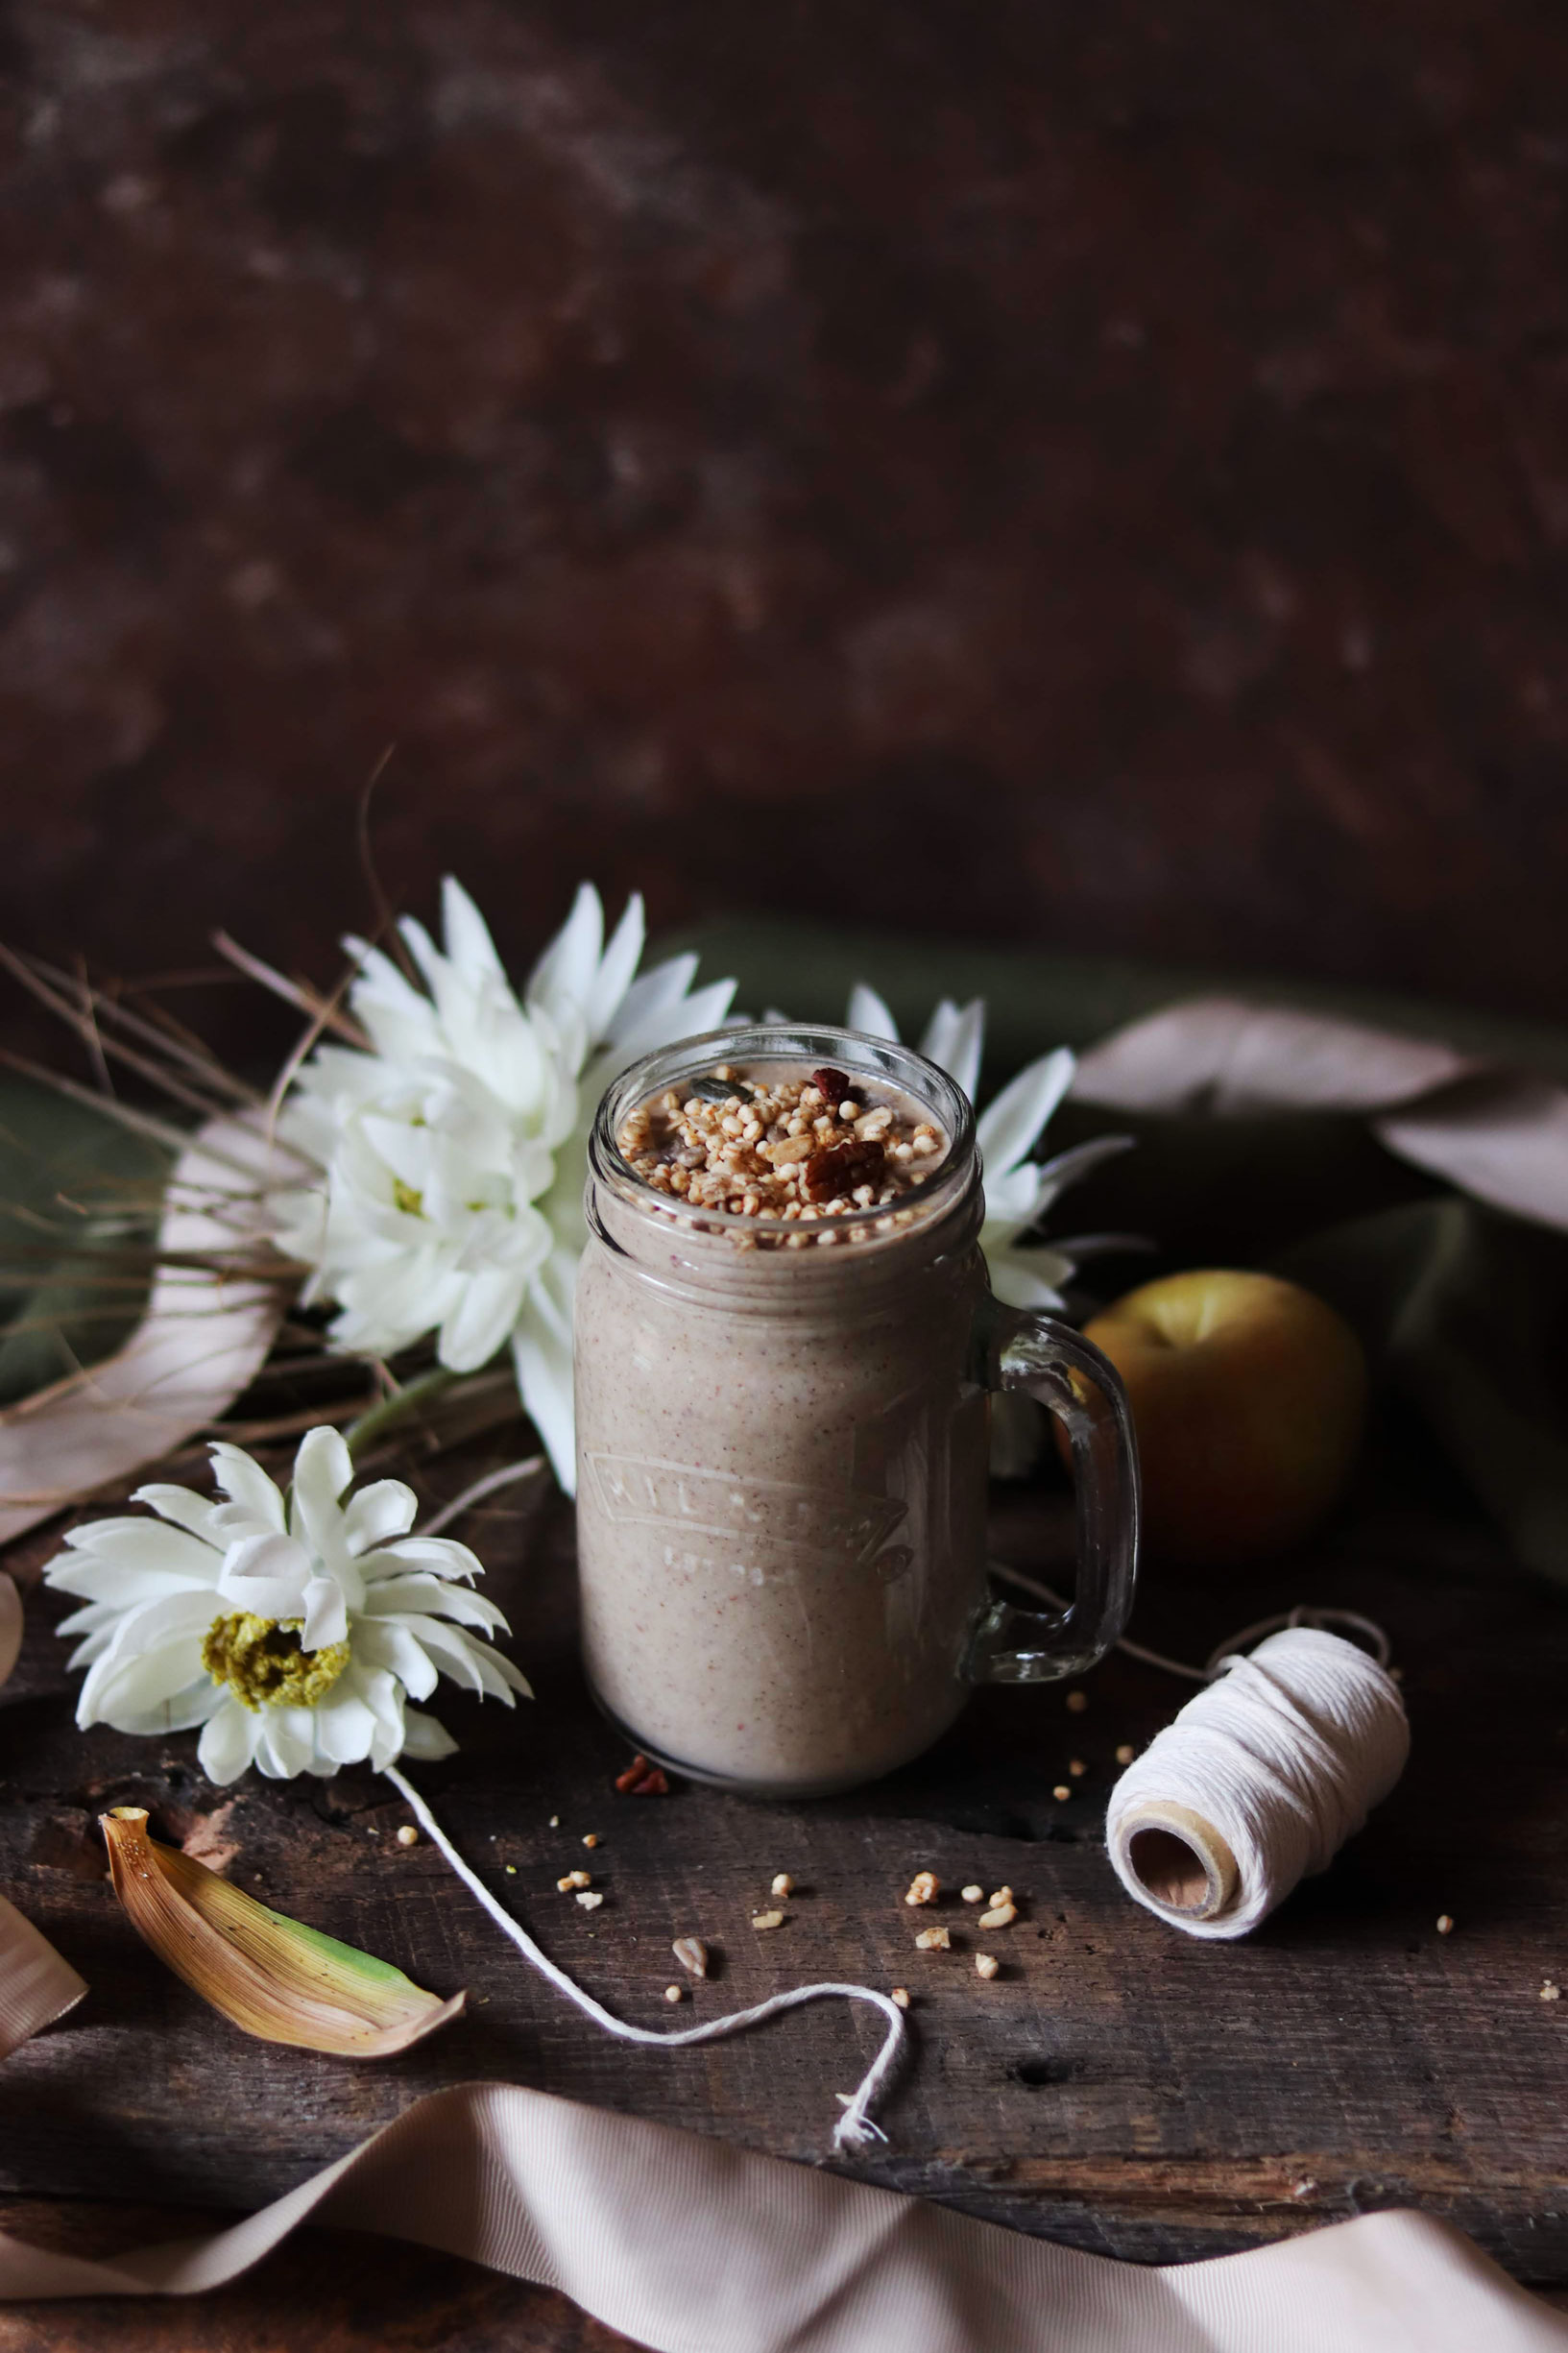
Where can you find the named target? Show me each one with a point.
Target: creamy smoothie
(782, 1429)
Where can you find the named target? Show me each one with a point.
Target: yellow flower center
(408, 1197)
(262, 1662)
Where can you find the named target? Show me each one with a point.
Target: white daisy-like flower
(454, 1150)
(294, 1635)
(1019, 1191)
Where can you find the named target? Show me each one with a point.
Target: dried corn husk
(272, 1976)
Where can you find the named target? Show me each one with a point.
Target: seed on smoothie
(824, 1145)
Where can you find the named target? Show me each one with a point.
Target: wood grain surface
(1118, 2087)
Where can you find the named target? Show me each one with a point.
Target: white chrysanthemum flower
(295, 1637)
(1019, 1190)
(454, 1152)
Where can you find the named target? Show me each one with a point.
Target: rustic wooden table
(1118, 2087)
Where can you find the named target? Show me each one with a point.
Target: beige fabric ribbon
(1502, 1136)
(205, 1333)
(690, 2246)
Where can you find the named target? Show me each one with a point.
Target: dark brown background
(1091, 476)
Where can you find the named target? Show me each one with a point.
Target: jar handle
(1068, 1375)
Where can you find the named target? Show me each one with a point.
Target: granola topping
(784, 1145)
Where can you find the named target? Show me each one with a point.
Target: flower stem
(402, 1405)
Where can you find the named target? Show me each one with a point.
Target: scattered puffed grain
(972, 1893)
(692, 1954)
(985, 1966)
(1076, 1768)
(1000, 1916)
(408, 1835)
(1445, 1924)
(555, 1822)
(1000, 1895)
(923, 1888)
(675, 1993)
(1551, 1992)
(1126, 1753)
(574, 1879)
(933, 1940)
(782, 1885)
(593, 1839)
(767, 1920)
(900, 1995)
(1061, 1793)
(589, 1899)
(1078, 1702)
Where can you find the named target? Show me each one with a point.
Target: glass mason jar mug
(782, 1455)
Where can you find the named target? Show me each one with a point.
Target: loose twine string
(1284, 1753)
(854, 2129)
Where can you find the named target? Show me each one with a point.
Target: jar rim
(814, 1042)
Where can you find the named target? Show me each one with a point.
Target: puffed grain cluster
(805, 1150)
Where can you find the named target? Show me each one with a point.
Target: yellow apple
(1248, 1396)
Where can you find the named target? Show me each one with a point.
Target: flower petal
(268, 1575)
(613, 977)
(1068, 1168)
(228, 1741)
(180, 1506)
(390, 1643)
(138, 1543)
(377, 1512)
(154, 1657)
(322, 1468)
(541, 1354)
(346, 1728)
(564, 975)
(109, 1585)
(327, 1617)
(467, 934)
(287, 1742)
(441, 1556)
(484, 1315)
(869, 1013)
(242, 1477)
(417, 1597)
(1008, 1126)
(1019, 1284)
(954, 1038)
(424, 1738)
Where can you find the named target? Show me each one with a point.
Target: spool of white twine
(1257, 1782)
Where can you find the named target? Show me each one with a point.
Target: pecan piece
(643, 1779)
(832, 1085)
(839, 1168)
